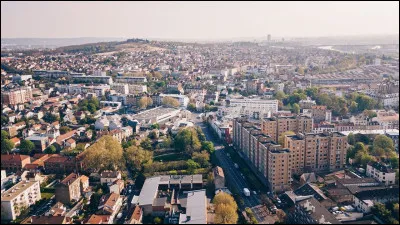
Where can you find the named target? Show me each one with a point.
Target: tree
(363, 158)
(64, 129)
(191, 107)
(136, 157)
(155, 126)
(187, 141)
(152, 135)
(91, 107)
(157, 220)
(394, 162)
(201, 158)
(225, 214)
(146, 144)
(105, 154)
(224, 198)
(381, 211)
(4, 120)
(312, 92)
(365, 102)
(300, 70)
(4, 135)
(385, 143)
(296, 108)
(170, 102)
(6, 146)
(50, 150)
(50, 118)
(370, 113)
(192, 166)
(351, 139)
(225, 209)
(145, 102)
(281, 138)
(208, 146)
(362, 138)
(359, 146)
(26, 147)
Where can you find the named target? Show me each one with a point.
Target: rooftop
(70, 179)
(381, 167)
(149, 191)
(317, 211)
(196, 208)
(17, 189)
(159, 111)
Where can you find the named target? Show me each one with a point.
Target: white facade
(130, 80)
(363, 205)
(120, 88)
(98, 90)
(260, 104)
(388, 177)
(20, 196)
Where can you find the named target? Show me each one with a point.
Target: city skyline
(202, 20)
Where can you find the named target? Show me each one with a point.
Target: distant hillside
(92, 48)
(34, 43)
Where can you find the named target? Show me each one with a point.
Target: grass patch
(47, 195)
(171, 157)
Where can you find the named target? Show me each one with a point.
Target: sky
(197, 20)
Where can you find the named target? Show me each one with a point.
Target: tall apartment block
(300, 153)
(317, 152)
(267, 157)
(16, 96)
(18, 198)
(275, 126)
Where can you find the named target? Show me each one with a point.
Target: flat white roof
(196, 207)
(149, 190)
(391, 131)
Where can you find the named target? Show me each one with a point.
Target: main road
(232, 174)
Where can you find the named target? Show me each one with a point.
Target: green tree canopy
(187, 141)
(145, 102)
(26, 147)
(225, 209)
(105, 154)
(64, 129)
(6, 146)
(201, 158)
(146, 144)
(351, 139)
(296, 108)
(50, 150)
(136, 157)
(170, 102)
(192, 166)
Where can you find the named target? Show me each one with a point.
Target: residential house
(68, 189)
(109, 176)
(14, 162)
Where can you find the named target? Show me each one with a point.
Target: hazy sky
(196, 20)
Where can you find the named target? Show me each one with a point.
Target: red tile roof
(13, 157)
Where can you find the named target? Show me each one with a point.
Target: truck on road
(236, 166)
(246, 192)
